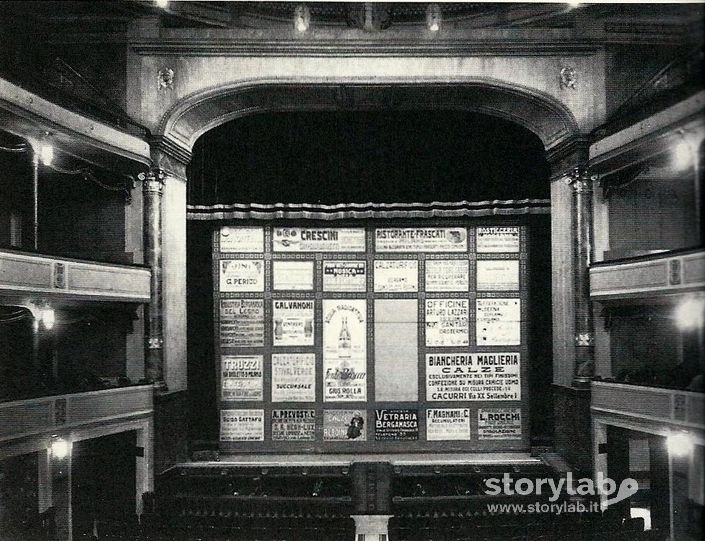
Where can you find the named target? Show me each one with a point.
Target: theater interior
(351, 271)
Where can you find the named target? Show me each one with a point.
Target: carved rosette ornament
(569, 77)
(165, 78)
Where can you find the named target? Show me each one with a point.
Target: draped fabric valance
(307, 211)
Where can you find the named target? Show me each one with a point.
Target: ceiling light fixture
(59, 447)
(163, 4)
(433, 17)
(302, 18)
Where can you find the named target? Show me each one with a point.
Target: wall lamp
(690, 312)
(302, 18)
(680, 444)
(42, 313)
(59, 447)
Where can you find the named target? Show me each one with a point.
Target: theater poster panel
(499, 423)
(499, 275)
(498, 322)
(396, 425)
(447, 275)
(421, 239)
(497, 239)
(241, 377)
(292, 322)
(242, 425)
(400, 276)
(293, 377)
(327, 239)
(249, 240)
(344, 425)
(241, 275)
(472, 376)
(344, 350)
(345, 276)
(448, 424)
(241, 323)
(447, 322)
(293, 425)
(292, 275)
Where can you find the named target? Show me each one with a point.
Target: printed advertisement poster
(422, 239)
(448, 424)
(241, 377)
(344, 350)
(293, 377)
(499, 424)
(396, 425)
(241, 425)
(498, 322)
(447, 322)
(249, 240)
(292, 323)
(293, 425)
(497, 239)
(327, 239)
(498, 275)
(447, 274)
(400, 276)
(347, 276)
(473, 376)
(344, 425)
(292, 275)
(241, 323)
(241, 275)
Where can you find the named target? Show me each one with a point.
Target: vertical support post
(35, 200)
(582, 181)
(659, 484)
(144, 463)
(152, 191)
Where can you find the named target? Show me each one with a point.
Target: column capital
(581, 179)
(153, 180)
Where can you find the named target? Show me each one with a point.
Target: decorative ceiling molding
(529, 43)
(550, 120)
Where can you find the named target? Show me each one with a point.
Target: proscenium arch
(541, 114)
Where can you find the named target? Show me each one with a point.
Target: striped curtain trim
(306, 211)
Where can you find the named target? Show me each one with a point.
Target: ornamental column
(152, 192)
(582, 224)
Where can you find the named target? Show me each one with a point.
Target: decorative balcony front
(676, 408)
(22, 420)
(647, 277)
(25, 274)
